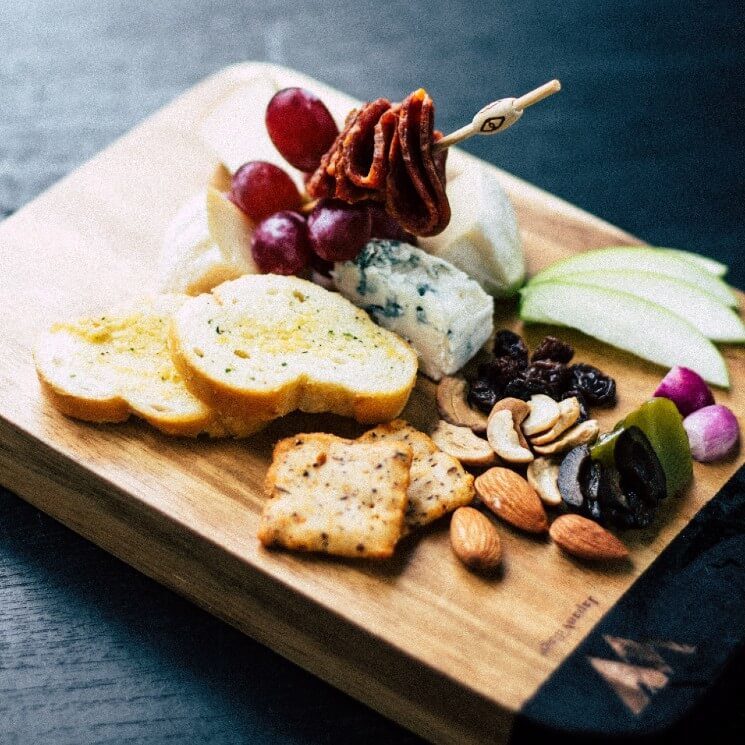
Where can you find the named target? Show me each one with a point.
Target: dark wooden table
(648, 134)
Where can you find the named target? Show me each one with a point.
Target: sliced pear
(652, 260)
(707, 313)
(230, 230)
(627, 322)
(235, 130)
(717, 268)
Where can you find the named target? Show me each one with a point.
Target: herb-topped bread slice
(265, 345)
(105, 368)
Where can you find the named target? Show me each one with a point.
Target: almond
(585, 539)
(511, 497)
(474, 539)
(453, 406)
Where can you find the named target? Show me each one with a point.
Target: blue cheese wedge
(438, 309)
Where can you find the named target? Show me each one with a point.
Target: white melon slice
(712, 318)
(483, 238)
(235, 130)
(717, 268)
(644, 260)
(625, 321)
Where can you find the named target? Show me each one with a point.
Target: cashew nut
(577, 435)
(544, 413)
(543, 476)
(519, 410)
(463, 444)
(452, 404)
(502, 436)
(569, 412)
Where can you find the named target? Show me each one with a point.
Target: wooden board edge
(356, 662)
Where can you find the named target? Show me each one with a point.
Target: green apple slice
(625, 321)
(642, 260)
(717, 268)
(711, 317)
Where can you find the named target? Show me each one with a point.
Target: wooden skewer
(498, 115)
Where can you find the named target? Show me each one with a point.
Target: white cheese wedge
(442, 312)
(235, 130)
(482, 238)
(206, 243)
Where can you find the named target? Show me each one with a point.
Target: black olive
(624, 510)
(640, 468)
(571, 473)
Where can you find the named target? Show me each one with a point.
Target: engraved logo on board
(493, 123)
(641, 674)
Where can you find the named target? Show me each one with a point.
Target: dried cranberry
(547, 377)
(482, 395)
(553, 349)
(584, 412)
(509, 344)
(599, 389)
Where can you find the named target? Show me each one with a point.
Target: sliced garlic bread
(336, 496)
(264, 345)
(438, 482)
(105, 368)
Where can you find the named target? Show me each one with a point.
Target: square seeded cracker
(438, 485)
(336, 496)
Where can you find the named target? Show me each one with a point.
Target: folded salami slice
(384, 154)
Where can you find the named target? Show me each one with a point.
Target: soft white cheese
(482, 238)
(442, 312)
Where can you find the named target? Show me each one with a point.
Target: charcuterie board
(454, 656)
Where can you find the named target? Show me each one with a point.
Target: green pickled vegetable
(662, 423)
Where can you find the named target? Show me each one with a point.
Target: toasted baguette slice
(264, 345)
(438, 482)
(106, 368)
(336, 496)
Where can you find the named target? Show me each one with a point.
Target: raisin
(509, 344)
(584, 411)
(547, 377)
(598, 388)
(553, 349)
(482, 395)
(500, 371)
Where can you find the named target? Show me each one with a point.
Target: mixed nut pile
(538, 420)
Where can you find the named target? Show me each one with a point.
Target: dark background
(648, 134)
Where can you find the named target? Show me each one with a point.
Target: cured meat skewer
(392, 154)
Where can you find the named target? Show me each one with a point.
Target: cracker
(336, 496)
(438, 482)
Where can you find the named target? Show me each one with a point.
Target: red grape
(383, 225)
(338, 231)
(261, 189)
(300, 127)
(280, 243)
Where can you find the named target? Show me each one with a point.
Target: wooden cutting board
(454, 657)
